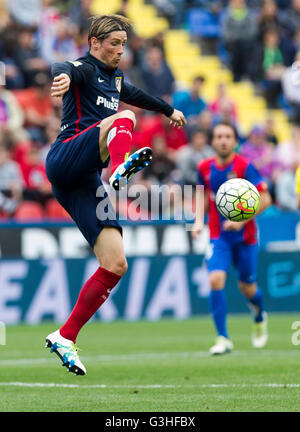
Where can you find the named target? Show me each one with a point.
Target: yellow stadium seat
(105, 7)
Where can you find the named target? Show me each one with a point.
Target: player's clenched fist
(177, 119)
(60, 85)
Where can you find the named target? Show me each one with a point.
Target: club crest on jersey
(76, 63)
(118, 81)
(231, 175)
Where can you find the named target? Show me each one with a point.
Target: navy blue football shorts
(73, 167)
(243, 256)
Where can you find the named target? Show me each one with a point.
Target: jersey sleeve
(298, 181)
(79, 72)
(254, 177)
(137, 97)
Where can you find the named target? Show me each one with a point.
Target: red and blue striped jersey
(211, 176)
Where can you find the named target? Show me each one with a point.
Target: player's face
(112, 48)
(224, 141)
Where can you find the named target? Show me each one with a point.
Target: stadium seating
(29, 210)
(54, 210)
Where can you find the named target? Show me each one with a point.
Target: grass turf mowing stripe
(145, 356)
(146, 386)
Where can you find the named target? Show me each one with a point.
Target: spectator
(11, 115)
(25, 12)
(191, 103)
(292, 16)
(271, 66)
(239, 34)
(131, 73)
(81, 14)
(189, 156)
(160, 170)
(271, 135)
(28, 56)
(226, 113)
(137, 46)
(46, 29)
(291, 89)
(288, 153)
(51, 131)
(222, 100)
(261, 153)
(158, 40)
(8, 49)
(64, 47)
(11, 182)
(7, 205)
(81, 41)
(172, 10)
(37, 186)
(204, 121)
(285, 191)
(37, 105)
(156, 74)
(269, 18)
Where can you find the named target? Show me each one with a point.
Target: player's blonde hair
(102, 25)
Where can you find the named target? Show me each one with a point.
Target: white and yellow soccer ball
(237, 199)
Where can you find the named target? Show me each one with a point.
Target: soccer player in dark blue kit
(92, 131)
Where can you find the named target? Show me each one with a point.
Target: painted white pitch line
(143, 357)
(144, 386)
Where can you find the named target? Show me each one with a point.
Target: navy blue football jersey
(95, 92)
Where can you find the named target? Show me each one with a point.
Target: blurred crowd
(33, 38)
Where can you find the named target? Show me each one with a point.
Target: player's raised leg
(255, 301)
(109, 250)
(218, 308)
(115, 139)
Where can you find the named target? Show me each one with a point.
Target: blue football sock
(256, 303)
(218, 308)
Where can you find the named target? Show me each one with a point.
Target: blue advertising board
(154, 287)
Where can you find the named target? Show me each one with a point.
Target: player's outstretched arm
(138, 97)
(60, 85)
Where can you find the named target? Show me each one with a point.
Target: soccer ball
(237, 199)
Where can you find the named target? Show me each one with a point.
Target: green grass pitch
(153, 366)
